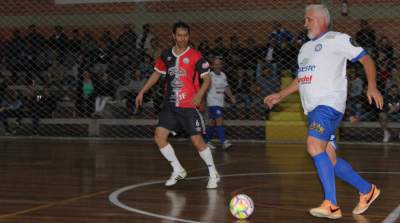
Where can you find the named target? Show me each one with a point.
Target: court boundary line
(114, 196)
(393, 216)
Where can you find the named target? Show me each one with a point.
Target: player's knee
(160, 139)
(314, 147)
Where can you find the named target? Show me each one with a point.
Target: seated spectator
(105, 90)
(355, 94)
(88, 90)
(243, 92)
(132, 89)
(42, 106)
(391, 112)
(11, 106)
(146, 67)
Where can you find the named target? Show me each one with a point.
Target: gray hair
(322, 10)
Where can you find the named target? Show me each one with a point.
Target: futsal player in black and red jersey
(183, 68)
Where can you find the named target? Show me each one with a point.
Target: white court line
(113, 197)
(392, 217)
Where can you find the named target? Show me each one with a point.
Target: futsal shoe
(226, 145)
(213, 181)
(326, 210)
(366, 200)
(211, 146)
(175, 176)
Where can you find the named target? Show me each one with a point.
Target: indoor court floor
(43, 181)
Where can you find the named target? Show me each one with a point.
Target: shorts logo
(318, 47)
(317, 127)
(197, 122)
(186, 60)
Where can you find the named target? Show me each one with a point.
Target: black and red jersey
(182, 75)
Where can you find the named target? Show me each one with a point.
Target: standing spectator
(215, 103)
(126, 42)
(279, 33)
(144, 39)
(219, 49)
(58, 42)
(366, 37)
(391, 112)
(204, 49)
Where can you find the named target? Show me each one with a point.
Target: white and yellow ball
(241, 206)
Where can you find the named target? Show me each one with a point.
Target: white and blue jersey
(323, 82)
(216, 94)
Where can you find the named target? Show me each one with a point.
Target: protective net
(74, 67)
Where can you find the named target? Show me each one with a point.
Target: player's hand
(233, 100)
(197, 99)
(272, 100)
(138, 101)
(375, 96)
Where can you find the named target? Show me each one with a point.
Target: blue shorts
(323, 122)
(215, 112)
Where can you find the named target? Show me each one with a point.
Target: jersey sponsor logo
(317, 127)
(169, 58)
(306, 68)
(306, 79)
(175, 71)
(186, 60)
(318, 47)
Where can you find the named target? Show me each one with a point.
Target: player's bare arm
(373, 93)
(275, 98)
(229, 93)
(155, 76)
(203, 89)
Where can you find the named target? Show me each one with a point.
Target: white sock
(208, 159)
(169, 154)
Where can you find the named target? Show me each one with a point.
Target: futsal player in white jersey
(322, 83)
(215, 103)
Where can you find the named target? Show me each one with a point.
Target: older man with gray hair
(322, 83)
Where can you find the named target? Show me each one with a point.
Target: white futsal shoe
(175, 176)
(226, 145)
(213, 181)
(211, 146)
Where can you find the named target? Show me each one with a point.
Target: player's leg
(211, 127)
(219, 121)
(167, 122)
(343, 170)
(193, 123)
(209, 133)
(321, 124)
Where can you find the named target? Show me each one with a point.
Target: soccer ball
(241, 206)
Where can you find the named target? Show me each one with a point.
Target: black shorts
(177, 120)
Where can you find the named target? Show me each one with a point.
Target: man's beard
(310, 35)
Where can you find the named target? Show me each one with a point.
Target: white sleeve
(349, 48)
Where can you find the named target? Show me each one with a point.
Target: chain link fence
(73, 68)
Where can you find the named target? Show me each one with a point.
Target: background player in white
(322, 82)
(183, 67)
(215, 103)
